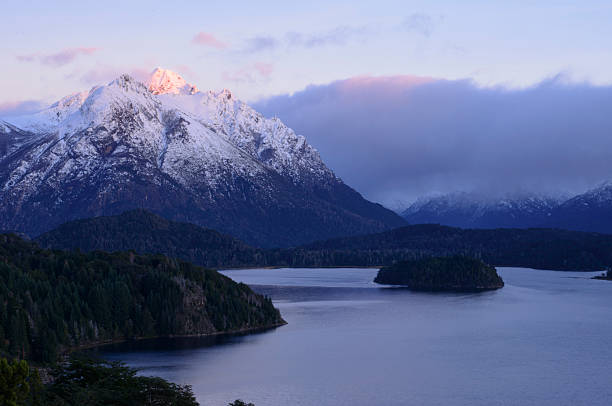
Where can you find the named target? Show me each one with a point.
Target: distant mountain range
(163, 145)
(590, 211)
(146, 232)
(468, 210)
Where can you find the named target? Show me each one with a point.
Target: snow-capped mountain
(470, 210)
(589, 211)
(201, 157)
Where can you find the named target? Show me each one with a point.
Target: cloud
(16, 108)
(250, 73)
(420, 23)
(337, 36)
(341, 35)
(260, 44)
(264, 69)
(209, 40)
(60, 58)
(398, 138)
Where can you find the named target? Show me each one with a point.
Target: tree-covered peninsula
(52, 301)
(455, 273)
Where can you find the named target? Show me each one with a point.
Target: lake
(544, 339)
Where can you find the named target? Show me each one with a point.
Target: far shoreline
(245, 268)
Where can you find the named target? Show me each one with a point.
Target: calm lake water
(544, 339)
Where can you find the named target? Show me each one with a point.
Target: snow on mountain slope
(267, 140)
(49, 119)
(123, 117)
(470, 210)
(601, 195)
(196, 156)
(12, 138)
(589, 211)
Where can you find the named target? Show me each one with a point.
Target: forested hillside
(53, 300)
(533, 248)
(145, 232)
(148, 233)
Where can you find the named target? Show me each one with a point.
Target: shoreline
(102, 343)
(244, 268)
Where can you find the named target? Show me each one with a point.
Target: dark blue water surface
(544, 339)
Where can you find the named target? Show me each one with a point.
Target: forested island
(455, 273)
(146, 232)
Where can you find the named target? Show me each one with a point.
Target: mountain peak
(199, 157)
(165, 81)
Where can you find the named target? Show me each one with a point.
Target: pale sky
(257, 49)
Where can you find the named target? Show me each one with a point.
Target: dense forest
(532, 248)
(147, 233)
(54, 300)
(454, 273)
(85, 381)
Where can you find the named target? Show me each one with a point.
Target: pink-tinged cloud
(250, 73)
(264, 69)
(209, 40)
(385, 86)
(60, 58)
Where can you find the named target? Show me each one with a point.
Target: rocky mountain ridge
(588, 211)
(162, 145)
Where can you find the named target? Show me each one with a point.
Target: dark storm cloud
(397, 138)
